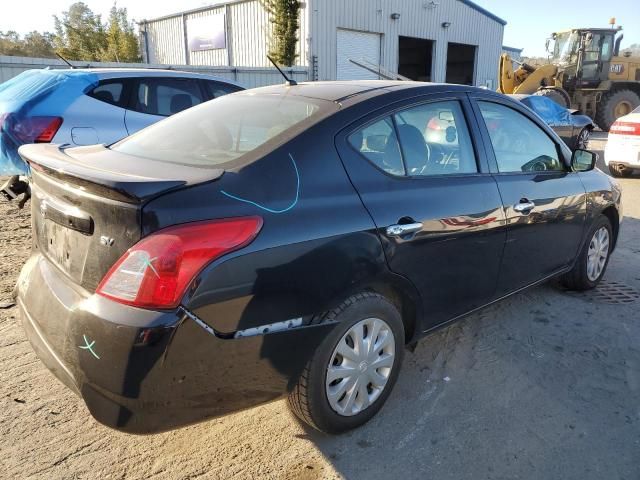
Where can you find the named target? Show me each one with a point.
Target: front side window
(518, 143)
(426, 140)
(233, 127)
(166, 96)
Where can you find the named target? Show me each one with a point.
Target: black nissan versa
(293, 240)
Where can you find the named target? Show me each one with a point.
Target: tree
(80, 34)
(122, 42)
(34, 44)
(285, 21)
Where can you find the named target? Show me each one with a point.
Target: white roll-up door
(359, 46)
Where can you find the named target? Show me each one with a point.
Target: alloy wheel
(360, 366)
(598, 253)
(583, 139)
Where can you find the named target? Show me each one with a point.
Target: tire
(606, 109)
(309, 398)
(618, 170)
(582, 141)
(580, 278)
(557, 95)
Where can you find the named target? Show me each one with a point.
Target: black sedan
(293, 240)
(573, 127)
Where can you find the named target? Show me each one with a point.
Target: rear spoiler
(104, 172)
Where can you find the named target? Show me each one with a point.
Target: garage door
(359, 46)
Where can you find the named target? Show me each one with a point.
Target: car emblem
(106, 241)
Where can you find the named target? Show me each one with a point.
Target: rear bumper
(143, 371)
(624, 153)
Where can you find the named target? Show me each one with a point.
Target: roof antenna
(64, 60)
(289, 82)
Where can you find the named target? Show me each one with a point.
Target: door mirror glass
(583, 160)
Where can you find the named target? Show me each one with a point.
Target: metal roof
(483, 11)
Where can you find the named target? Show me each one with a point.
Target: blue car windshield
(239, 126)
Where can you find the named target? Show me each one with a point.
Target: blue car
(93, 106)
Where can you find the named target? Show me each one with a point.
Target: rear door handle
(525, 206)
(403, 229)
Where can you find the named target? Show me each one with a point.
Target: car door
(155, 98)
(544, 201)
(435, 205)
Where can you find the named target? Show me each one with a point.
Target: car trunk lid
(87, 203)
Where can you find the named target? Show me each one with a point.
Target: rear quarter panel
(317, 246)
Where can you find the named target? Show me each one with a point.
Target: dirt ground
(544, 385)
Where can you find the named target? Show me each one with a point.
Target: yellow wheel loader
(585, 72)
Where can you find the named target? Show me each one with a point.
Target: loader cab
(583, 56)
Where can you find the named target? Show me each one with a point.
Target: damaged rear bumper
(142, 371)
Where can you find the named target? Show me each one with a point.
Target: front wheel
(592, 262)
(582, 142)
(355, 368)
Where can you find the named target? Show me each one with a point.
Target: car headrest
(413, 146)
(179, 102)
(105, 96)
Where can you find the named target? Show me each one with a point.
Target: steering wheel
(538, 164)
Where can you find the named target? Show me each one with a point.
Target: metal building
(453, 41)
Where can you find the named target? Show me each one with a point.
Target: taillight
(625, 128)
(156, 272)
(47, 128)
(38, 129)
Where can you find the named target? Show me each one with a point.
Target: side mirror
(583, 160)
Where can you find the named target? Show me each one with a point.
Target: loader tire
(614, 105)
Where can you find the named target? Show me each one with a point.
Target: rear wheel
(614, 105)
(618, 170)
(355, 368)
(593, 259)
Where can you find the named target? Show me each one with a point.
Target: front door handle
(403, 229)
(525, 206)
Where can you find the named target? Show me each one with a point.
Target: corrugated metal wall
(248, 32)
(421, 19)
(248, 77)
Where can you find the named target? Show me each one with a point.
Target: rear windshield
(233, 127)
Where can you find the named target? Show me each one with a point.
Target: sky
(528, 23)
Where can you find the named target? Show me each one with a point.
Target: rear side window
(378, 143)
(429, 139)
(110, 91)
(166, 96)
(518, 143)
(215, 89)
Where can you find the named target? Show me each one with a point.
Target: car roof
(105, 73)
(339, 91)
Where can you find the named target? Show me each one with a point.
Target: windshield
(565, 48)
(225, 129)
